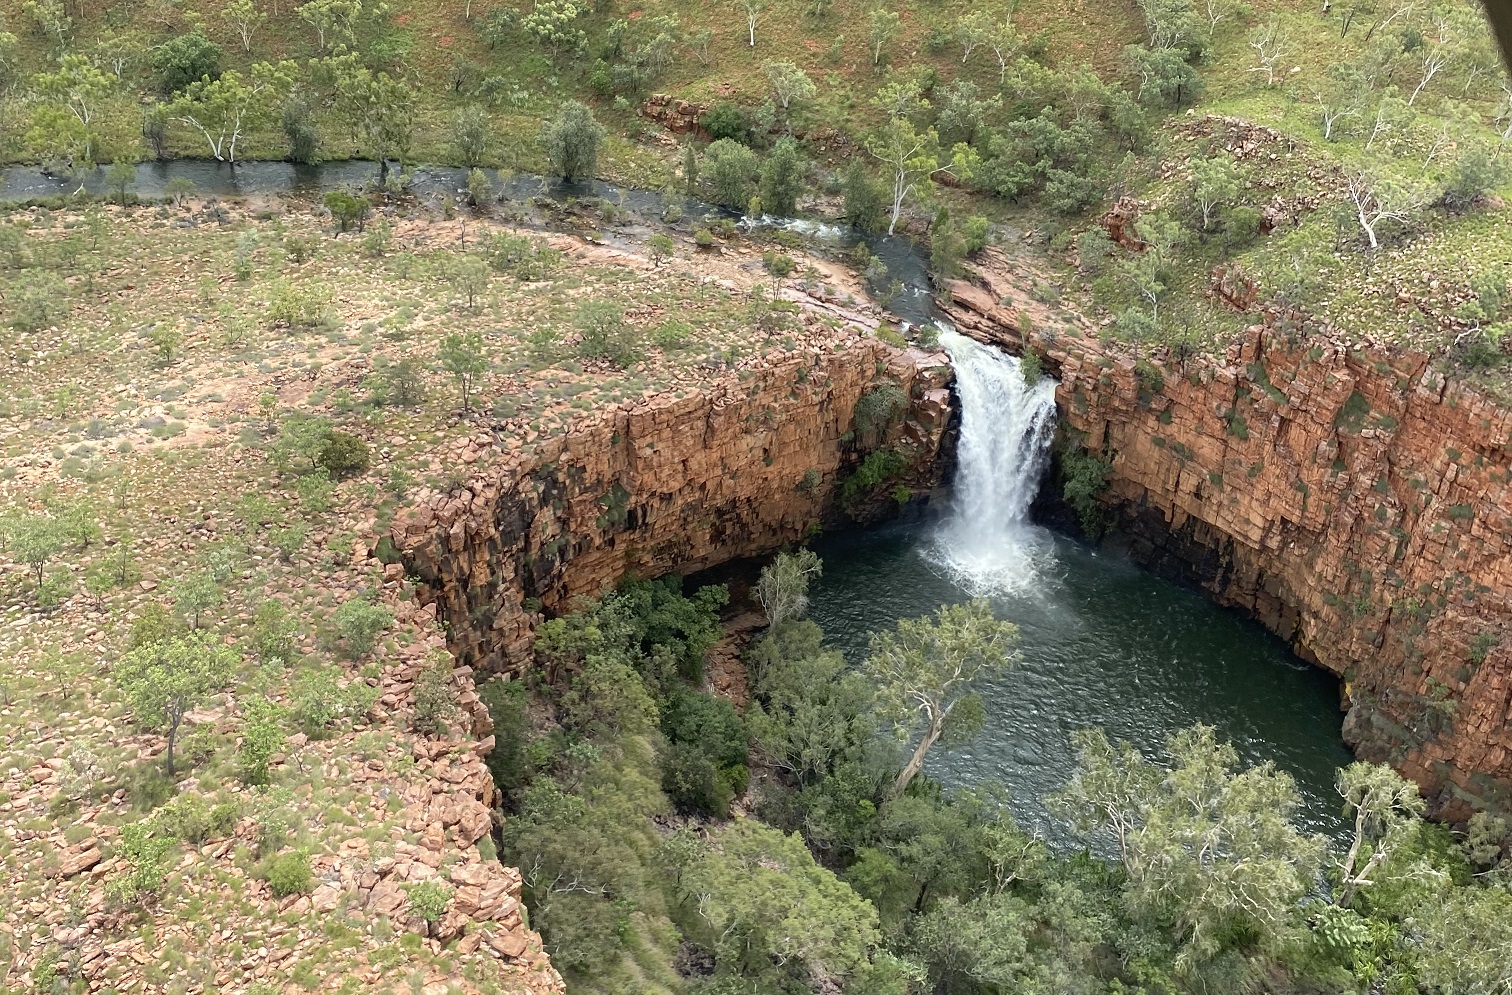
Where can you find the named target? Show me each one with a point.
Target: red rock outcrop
(681, 117)
(669, 484)
(1355, 502)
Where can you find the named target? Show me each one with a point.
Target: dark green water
(1103, 643)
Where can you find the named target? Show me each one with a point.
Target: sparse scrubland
(227, 720)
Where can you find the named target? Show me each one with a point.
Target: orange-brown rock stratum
(666, 484)
(1354, 501)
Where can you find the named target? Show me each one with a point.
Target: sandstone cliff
(667, 484)
(1355, 502)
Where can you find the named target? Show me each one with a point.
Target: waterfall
(987, 544)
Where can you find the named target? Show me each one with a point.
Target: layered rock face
(669, 484)
(1355, 502)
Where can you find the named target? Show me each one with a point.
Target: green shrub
(273, 631)
(877, 410)
(262, 735)
(976, 234)
(300, 248)
(1352, 414)
(429, 900)
(779, 264)
(1031, 368)
(139, 852)
(606, 334)
(347, 210)
(55, 590)
(507, 706)
(1093, 249)
(191, 819)
(877, 469)
(694, 784)
(1084, 475)
(289, 874)
(703, 238)
(1149, 378)
(1484, 351)
(1241, 226)
(435, 696)
(358, 623)
(319, 700)
(724, 120)
(344, 455)
(297, 305)
(39, 301)
(671, 334)
(185, 58)
(711, 724)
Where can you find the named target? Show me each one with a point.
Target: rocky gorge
(671, 484)
(1354, 500)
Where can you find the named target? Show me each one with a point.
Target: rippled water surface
(1103, 643)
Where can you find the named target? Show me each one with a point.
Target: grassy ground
(834, 48)
(168, 452)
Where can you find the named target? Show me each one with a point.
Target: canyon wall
(663, 485)
(1355, 502)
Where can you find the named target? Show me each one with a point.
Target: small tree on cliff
(925, 670)
(461, 355)
(1386, 808)
(783, 586)
(164, 679)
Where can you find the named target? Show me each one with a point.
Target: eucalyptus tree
(379, 108)
(163, 680)
(572, 140)
(81, 87)
(913, 158)
(1204, 845)
(925, 673)
(223, 109)
(782, 588)
(752, 10)
(1387, 810)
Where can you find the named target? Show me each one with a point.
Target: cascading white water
(987, 543)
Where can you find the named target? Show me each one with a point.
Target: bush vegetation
(851, 871)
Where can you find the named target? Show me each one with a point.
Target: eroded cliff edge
(666, 484)
(1354, 501)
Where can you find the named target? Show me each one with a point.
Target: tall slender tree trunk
(916, 762)
(172, 735)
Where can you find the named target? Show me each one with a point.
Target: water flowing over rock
(1353, 500)
(987, 543)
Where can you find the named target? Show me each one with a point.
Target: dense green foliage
(836, 882)
(1083, 475)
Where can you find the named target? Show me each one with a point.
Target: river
(523, 196)
(1102, 641)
